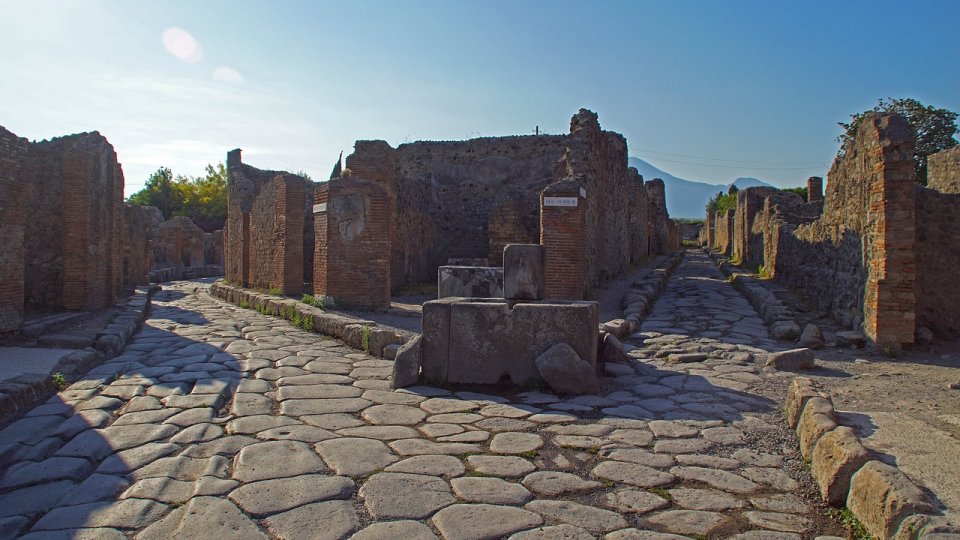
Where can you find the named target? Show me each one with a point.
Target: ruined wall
(13, 208)
(751, 223)
(265, 227)
(858, 259)
(938, 254)
(723, 231)
(563, 234)
(660, 235)
(447, 192)
(352, 258)
(140, 226)
(75, 256)
(943, 171)
(641, 218)
(179, 243)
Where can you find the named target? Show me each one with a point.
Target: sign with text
(318, 208)
(560, 201)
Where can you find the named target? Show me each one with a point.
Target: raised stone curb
(782, 319)
(360, 334)
(175, 273)
(28, 390)
(885, 501)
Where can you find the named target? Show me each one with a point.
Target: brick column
(563, 217)
(13, 208)
(814, 189)
(288, 260)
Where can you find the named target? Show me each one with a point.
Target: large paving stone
(687, 522)
(778, 521)
(554, 483)
(332, 520)
(390, 414)
(704, 499)
(300, 407)
(404, 496)
(595, 520)
(503, 466)
(554, 532)
(631, 473)
(483, 521)
(275, 459)
(124, 514)
(204, 517)
(48, 470)
(394, 530)
(354, 456)
(447, 466)
(722, 480)
(96, 444)
(134, 458)
(515, 443)
(269, 496)
(635, 501)
(417, 447)
(166, 490)
(490, 490)
(33, 500)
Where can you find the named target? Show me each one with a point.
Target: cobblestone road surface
(219, 422)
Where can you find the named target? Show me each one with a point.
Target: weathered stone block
(836, 457)
(792, 360)
(470, 281)
(406, 365)
(524, 267)
(882, 497)
(801, 390)
(565, 372)
(811, 337)
(470, 340)
(817, 418)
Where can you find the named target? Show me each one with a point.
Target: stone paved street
(219, 422)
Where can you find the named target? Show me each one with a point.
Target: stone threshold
(364, 335)
(884, 499)
(29, 389)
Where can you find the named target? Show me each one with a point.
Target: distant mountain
(688, 198)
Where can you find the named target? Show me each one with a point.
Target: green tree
(203, 199)
(160, 191)
(935, 129)
(721, 202)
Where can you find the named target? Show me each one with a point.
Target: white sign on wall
(560, 201)
(317, 208)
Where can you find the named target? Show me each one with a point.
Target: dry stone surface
(286, 433)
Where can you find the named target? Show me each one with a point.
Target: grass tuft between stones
(845, 517)
(660, 492)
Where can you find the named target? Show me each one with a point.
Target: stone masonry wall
(140, 226)
(447, 192)
(723, 231)
(943, 171)
(179, 243)
(938, 255)
(265, 227)
(858, 259)
(13, 208)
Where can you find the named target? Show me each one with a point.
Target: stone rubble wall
(938, 245)
(140, 227)
(943, 171)
(13, 208)
(723, 232)
(264, 245)
(468, 199)
(179, 243)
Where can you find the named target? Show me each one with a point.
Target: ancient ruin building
(352, 220)
(468, 199)
(82, 248)
(266, 210)
(855, 252)
(140, 227)
(938, 244)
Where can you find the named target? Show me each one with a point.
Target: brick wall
(510, 223)
(938, 255)
(858, 259)
(563, 233)
(13, 208)
(352, 256)
(265, 227)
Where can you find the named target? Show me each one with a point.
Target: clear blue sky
(759, 85)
